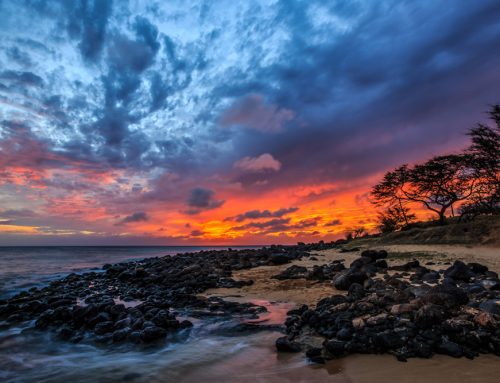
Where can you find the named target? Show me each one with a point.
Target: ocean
(23, 267)
(198, 355)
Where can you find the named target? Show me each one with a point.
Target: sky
(227, 122)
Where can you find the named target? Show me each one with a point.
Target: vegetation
(469, 180)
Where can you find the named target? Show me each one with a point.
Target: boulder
(346, 278)
(284, 344)
(374, 255)
(152, 333)
(335, 348)
(446, 295)
(459, 272)
(429, 315)
(102, 328)
(292, 272)
(491, 306)
(451, 349)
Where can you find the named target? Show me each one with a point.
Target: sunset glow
(177, 124)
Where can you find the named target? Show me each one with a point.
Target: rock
(65, 332)
(356, 291)
(381, 264)
(279, 259)
(314, 354)
(283, 344)
(344, 334)
(292, 272)
(451, 349)
(491, 306)
(432, 276)
(346, 278)
(360, 262)
(403, 308)
(152, 333)
(104, 327)
(459, 272)
(491, 284)
(388, 340)
(485, 319)
(429, 315)
(358, 323)
(185, 324)
(122, 334)
(377, 319)
(407, 266)
(476, 289)
(374, 255)
(477, 268)
(445, 295)
(335, 347)
(125, 322)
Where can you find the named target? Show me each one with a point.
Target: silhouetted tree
(441, 182)
(394, 218)
(437, 184)
(391, 192)
(484, 161)
(471, 179)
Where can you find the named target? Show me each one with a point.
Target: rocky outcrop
(85, 305)
(414, 314)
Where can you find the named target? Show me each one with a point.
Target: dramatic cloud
(110, 104)
(272, 225)
(251, 112)
(335, 222)
(135, 217)
(201, 199)
(256, 214)
(258, 164)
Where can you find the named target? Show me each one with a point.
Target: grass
(414, 254)
(482, 230)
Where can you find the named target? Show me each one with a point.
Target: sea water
(200, 354)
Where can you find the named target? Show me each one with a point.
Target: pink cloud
(252, 112)
(258, 164)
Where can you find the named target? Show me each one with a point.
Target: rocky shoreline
(406, 310)
(141, 302)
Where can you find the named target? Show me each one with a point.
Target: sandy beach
(370, 368)
(301, 291)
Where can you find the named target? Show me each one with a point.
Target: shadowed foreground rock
(414, 314)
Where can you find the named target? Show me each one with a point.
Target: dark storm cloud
(273, 225)
(255, 214)
(87, 22)
(279, 225)
(135, 217)
(201, 199)
(335, 91)
(378, 91)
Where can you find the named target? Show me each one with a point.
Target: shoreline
(366, 368)
(229, 284)
(293, 290)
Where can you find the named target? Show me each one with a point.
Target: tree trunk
(404, 213)
(442, 217)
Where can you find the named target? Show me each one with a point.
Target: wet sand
(363, 368)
